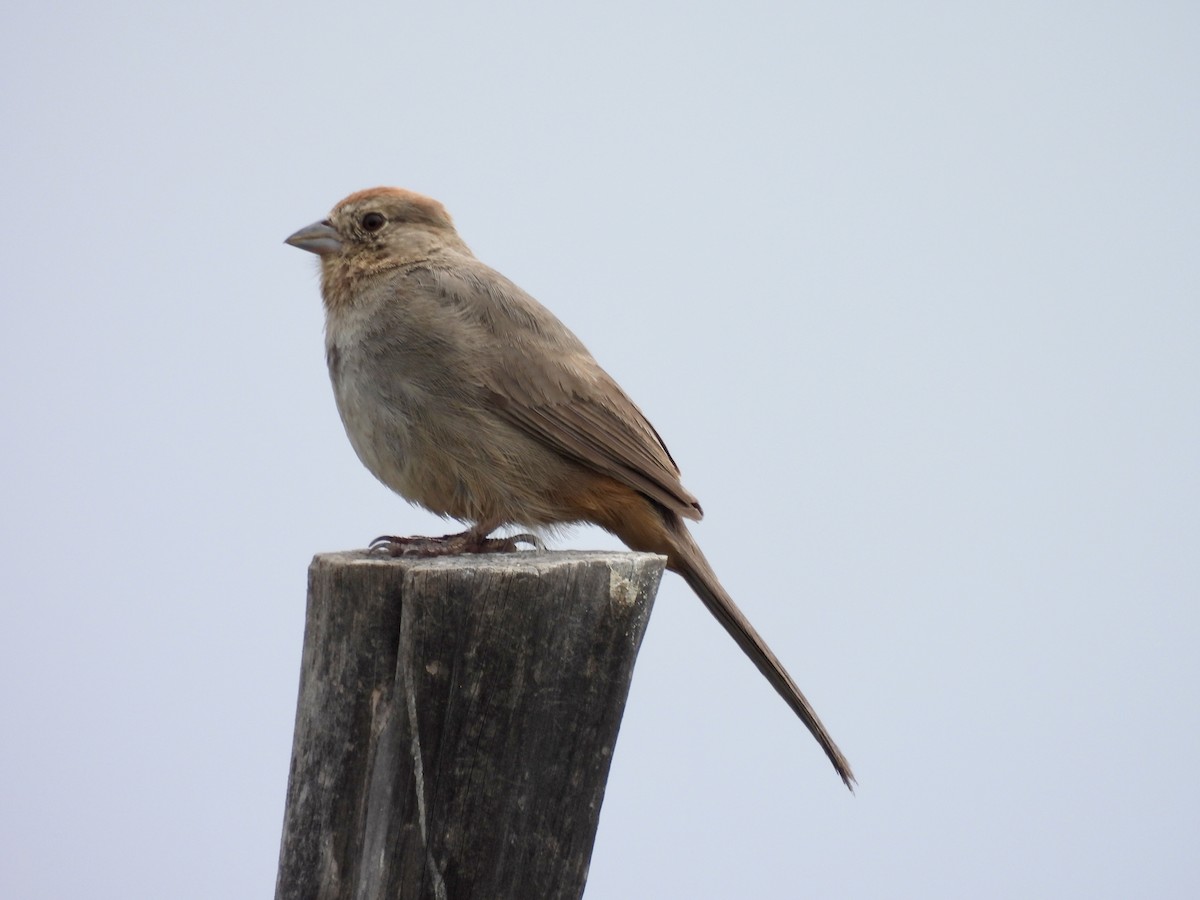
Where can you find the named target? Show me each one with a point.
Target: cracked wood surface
(456, 722)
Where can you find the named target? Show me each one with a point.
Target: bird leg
(473, 540)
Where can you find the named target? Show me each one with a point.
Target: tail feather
(688, 560)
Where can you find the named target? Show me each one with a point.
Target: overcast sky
(912, 291)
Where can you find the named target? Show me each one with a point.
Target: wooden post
(456, 722)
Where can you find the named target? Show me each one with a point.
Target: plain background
(911, 290)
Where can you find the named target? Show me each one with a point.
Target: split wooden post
(456, 722)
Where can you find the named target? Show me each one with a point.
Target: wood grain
(456, 722)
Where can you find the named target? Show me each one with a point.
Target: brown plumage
(463, 394)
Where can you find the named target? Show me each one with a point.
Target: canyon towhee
(463, 394)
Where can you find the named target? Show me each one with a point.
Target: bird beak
(320, 238)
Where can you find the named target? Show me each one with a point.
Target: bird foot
(452, 544)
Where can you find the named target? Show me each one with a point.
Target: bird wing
(585, 416)
(544, 381)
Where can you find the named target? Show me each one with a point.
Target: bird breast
(409, 388)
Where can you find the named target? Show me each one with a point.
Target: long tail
(689, 562)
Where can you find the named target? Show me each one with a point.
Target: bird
(464, 395)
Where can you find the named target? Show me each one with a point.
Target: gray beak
(320, 238)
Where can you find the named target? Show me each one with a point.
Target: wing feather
(544, 381)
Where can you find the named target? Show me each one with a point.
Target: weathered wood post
(456, 722)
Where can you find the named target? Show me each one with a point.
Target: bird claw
(511, 543)
(451, 544)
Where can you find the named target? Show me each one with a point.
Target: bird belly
(443, 451)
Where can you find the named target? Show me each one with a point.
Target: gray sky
(911, 290)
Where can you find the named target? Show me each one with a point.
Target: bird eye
(373, 221)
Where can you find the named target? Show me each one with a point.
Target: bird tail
(688, 560)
